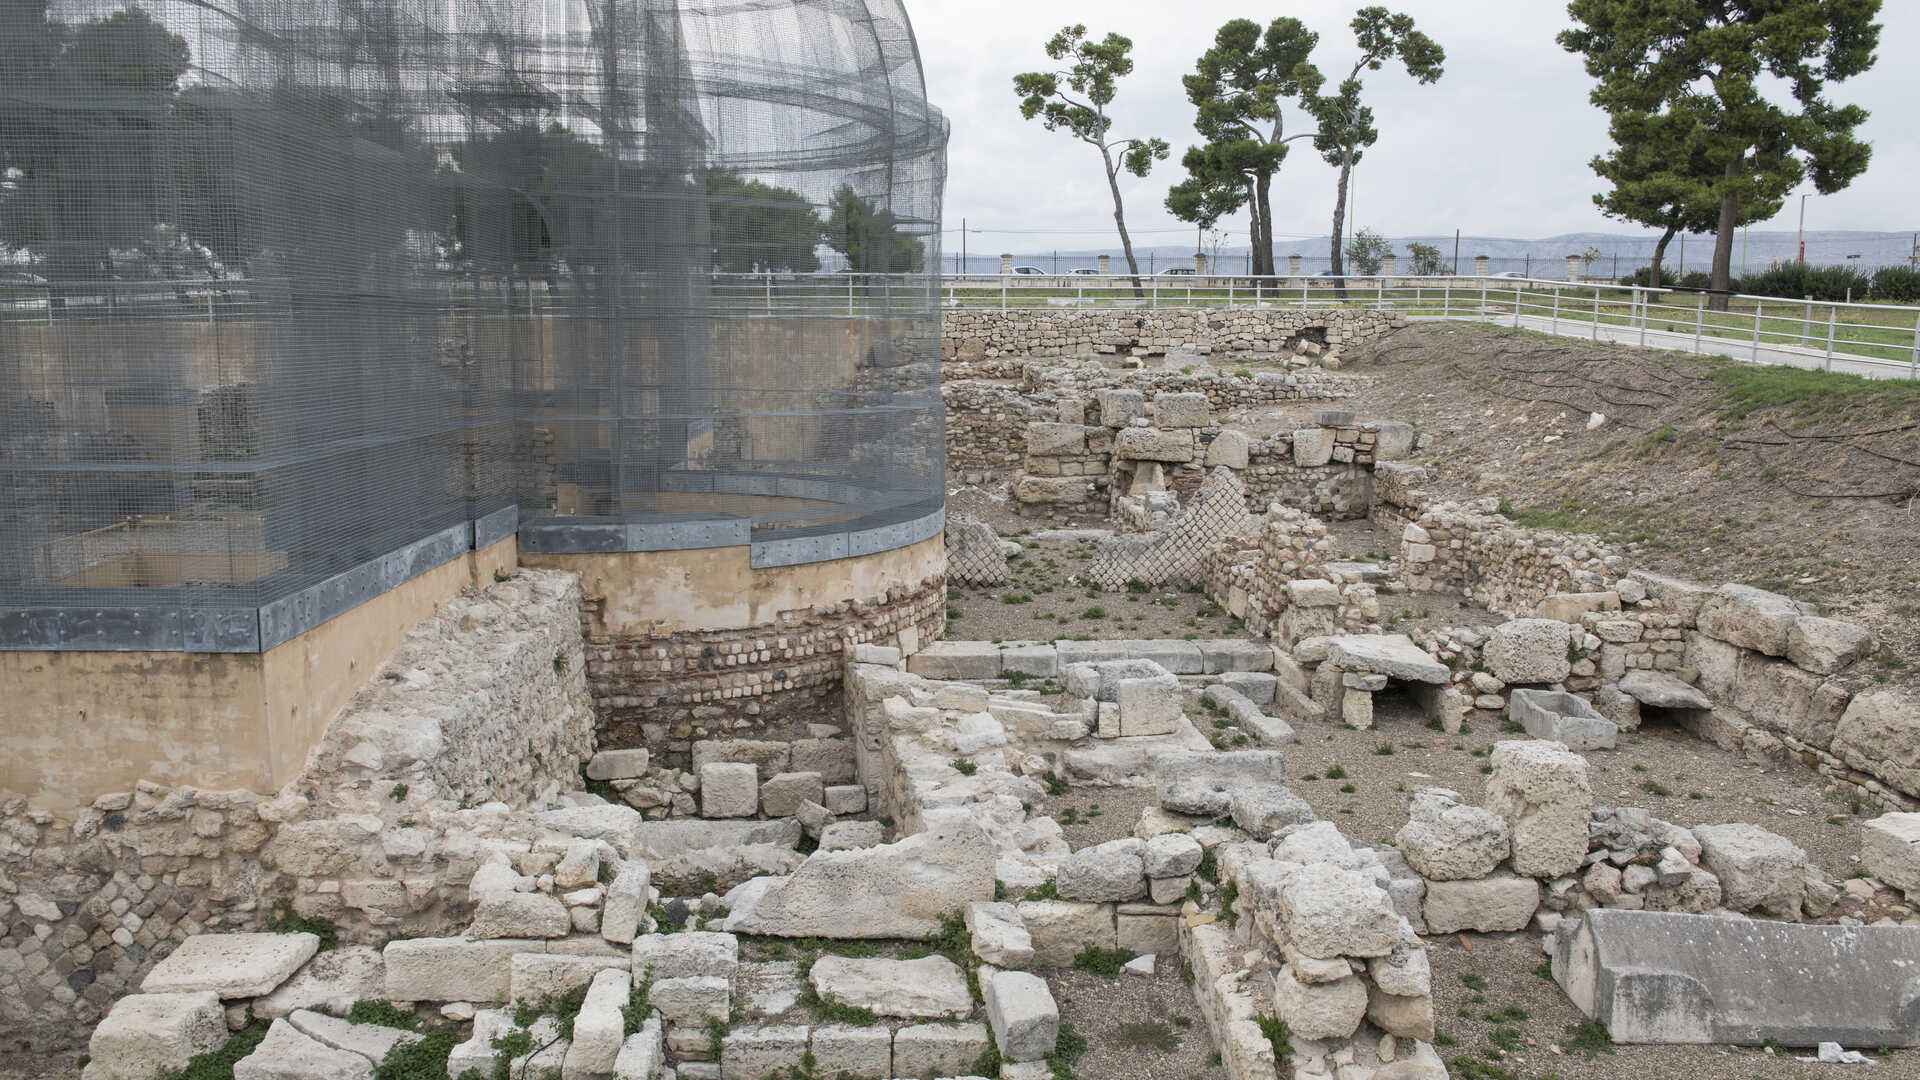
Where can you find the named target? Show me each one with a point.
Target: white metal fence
(1881, 340)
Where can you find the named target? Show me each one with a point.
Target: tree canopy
(1237, 89)
(758, 226)
(870, 237)
(1092, 81)
(1707, 69)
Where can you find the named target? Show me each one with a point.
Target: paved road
(1684, 342)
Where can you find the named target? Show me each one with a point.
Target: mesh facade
(300, 299)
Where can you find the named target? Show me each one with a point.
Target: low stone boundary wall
(483, 708)
(975, 335)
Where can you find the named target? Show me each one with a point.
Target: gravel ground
(1129, 1021)
(1041, 603)
(1095, 815)
(1497, 973)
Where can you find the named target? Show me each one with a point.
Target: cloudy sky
(1498, 147)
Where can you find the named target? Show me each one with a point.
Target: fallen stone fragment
(232, 965)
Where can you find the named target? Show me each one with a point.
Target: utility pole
(1803, 227)
(963, 247)
(1456, 251)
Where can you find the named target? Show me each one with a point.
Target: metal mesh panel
(1177, 555)
(292, 293)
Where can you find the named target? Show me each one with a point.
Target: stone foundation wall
(482, 708)
(973, 336)
(1501, 566)
(766, 682)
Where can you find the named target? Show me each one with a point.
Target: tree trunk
(1263, 223)
(1659, 255)
(1120, 221)
(1723, 246)
(1339, 226)
(1254, 265)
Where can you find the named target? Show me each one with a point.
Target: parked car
(1177, 271)
(1029, 271)
(20, 277)
(1082, 271)
(1512, 274)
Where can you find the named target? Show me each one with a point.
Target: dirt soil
(1136, 1028)
(1790, 480)
(1044, 602)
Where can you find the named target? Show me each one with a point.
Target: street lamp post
(1803, 227)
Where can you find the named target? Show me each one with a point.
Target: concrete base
(1659, 977)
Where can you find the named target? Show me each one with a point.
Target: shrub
(1793, 281)
(1900, 284)
(1644, 276)
(1101, 961)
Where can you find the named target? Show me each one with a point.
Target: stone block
(1563, 718)
(782, 795)
(1529, 651)
(853, 1051)
(1394, 441)
(1880, 733)
(1266, 809)
(1825, 646)
(933, 1051)
(999, 936)
(1036, 491)
(847, 835)
(1120, 408)
(1022, 1014)
(371, 1041)
(1501, 903)
(762, 1053)
(932, 987)
(286, 1054)
(1056, 440)
(1392, 655)
(1683, 598)
(1446, 840)
(1151, 706)
(599, 1030)
(1332, 912)
(691, 1002)
(1757, 869)
(330, 983)
(1661, 690)
(1234, 659)
(231, 965)
(477, 1053)
(149, 1035)
(1040, 661)
(1202, 784)
(618, 765)
(643, 1056)
(624, 910)
(1312, 447)
(729, 789)
(769, 755)
(1153, 444)
(957, 660)
(452, 969)
(678, 836)
(845, 799)
(1059, 929)
(1401, 1016)
(1890, 850)
(1229, 449)
(1568, 607)
(1661, 977)
(1541, 790)
(1751, 618)
(833, 759)
(519, 915)
(1148, 935)
(1328, 1010)
(540, 975)
(1181, 411)
(1105, 873)
(1171, 855)
(1179, 657)
(686, 955)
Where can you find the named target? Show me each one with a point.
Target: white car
(1029, 271)
(1081, 271)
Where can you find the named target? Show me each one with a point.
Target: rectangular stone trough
(1661, 977)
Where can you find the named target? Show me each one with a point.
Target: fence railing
(1869, 339)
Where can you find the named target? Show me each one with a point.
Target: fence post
(1446, 312)
(1483, 296)
(769, 292)
(1003, 292)
(1640, 300)
(1831, 315)
(1806, 321)
(1229, 294)
(1759, 309)
(1596, 313)
(1913, 366)
(1556, 311)
(1699, 318)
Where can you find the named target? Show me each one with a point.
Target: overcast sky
(1498, 147)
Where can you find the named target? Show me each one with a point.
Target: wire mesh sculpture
(299, 299)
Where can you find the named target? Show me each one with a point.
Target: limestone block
(686, 955)
(1056, 440)
(1446, 840)
(149, 1035)
(1568, 607)
(1022, 1014)
(1060, 929)
(1824, 646)
(624, 910)
(1332, 912)
(1529, 651)
(1105, 873)
(1202, 784)
(1751, 618)
(1229, 449)
(1880, 733)
(999, 936)
(832, 758)
(897, 890)
(1313, 592)
(231, 965)
(1258, 687)
(845, 799)
(1561, 717)
(617, 825)
(452, 969)
(1394, 441)
(1266, 809)
(1312, 447)
(1541, 790)
(782, 795)
(371, 1041)
(579, 867)
(957, 660)
(1150, 706)
(854, 1051)
(599, 1030)
(618, 765)
(932, 987)
(1147, 935)
(1684, 598)
(519, 915)
(541, 975)
(1038, 491)
(1329, 1010)
(477, 1053)
(1172, 855)
(286, 1054)
(1890, 850)
(754, 1053)
(1661, 690)
(329, 983)
(1400, 1016)
(1501, 903)
(1120, 408)
(692, 1002)
(846, 835)
(1153, 444)
(643, 1056)
(1757, 869)
(932, 1051)
(1181, 411)
(681, 835)
(1392, 655)
(729, 789)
